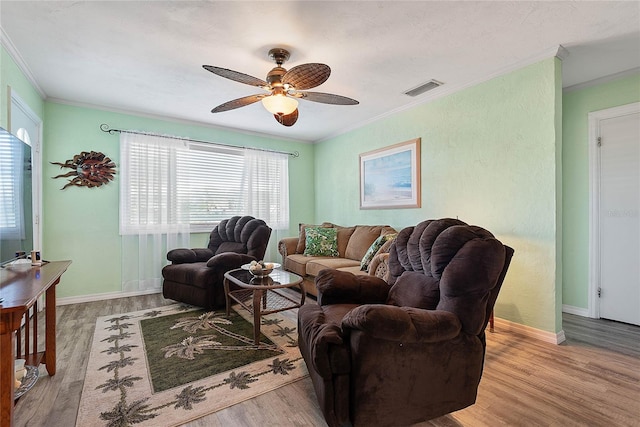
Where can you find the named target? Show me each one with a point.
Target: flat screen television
(16, 198)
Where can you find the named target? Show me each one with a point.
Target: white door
(620, 218)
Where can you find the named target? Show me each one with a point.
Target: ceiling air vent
(431, 84)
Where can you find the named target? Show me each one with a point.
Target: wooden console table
(20, 287)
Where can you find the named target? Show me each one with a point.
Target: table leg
(50, 331)
(225, 283)
(303, 293)
(257, 299)
(491, 322)
(7, 373)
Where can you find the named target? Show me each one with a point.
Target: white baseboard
(528, 331)
(104, 296)
(578, 311)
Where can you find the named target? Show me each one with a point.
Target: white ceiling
(146, 57)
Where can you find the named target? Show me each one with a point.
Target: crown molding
(562, 53)
(601, 80)
(444, 90)
(11, 49)
(171, 120)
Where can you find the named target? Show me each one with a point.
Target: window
(210, 183)
(168, 183)
(12, 175)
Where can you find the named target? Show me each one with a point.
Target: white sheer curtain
(153, 217)
(265, 187)
(163, 197)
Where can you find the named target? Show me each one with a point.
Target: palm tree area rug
(171, 365)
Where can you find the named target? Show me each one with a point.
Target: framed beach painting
(390, 177)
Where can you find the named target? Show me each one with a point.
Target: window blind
(166, 183)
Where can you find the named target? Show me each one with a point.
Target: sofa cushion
(297, 263)
(354, 269)
(321, 241)
(314, 266)
(302, 235)
(344, 235)
(375, 247)
(362, 238)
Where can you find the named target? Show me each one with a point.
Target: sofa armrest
(183, 256)
(379, 266)
(287, 246)
(342, 287)
(403, 324)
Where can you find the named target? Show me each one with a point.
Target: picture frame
(390, 177)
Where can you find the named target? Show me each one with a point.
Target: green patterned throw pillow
(321, 241)
(374, 248)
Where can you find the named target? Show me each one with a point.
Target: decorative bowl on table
(260, 268)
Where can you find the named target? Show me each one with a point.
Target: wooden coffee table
(261, 296)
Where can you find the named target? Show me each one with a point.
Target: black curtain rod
(105, 128)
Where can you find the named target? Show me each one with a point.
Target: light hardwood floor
(593, 379)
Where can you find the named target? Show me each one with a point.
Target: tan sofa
(352, 244)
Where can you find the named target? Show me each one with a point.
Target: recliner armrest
(183, 255)
(321, 343)
(403, 324)
(229, 261)
(342, 287)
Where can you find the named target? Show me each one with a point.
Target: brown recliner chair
(397, 353)
(195, 276)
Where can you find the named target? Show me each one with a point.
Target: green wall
(576, 107)
(81, 224)
(490, 156)
(500, 154)
(11, 76)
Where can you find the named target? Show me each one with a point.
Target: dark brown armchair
(195, 275)
(412, 349)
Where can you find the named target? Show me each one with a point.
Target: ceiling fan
(282, 88)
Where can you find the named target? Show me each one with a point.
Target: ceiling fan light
(279, 104)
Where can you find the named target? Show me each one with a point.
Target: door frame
(595, 118)
(15, 101)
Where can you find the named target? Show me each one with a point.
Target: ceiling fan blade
(288, 119)
(325, 98)
(307, 76)
(237, 103)
(236, 76)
